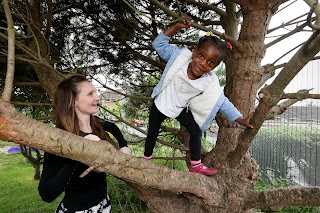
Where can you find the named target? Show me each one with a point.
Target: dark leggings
(186, 119)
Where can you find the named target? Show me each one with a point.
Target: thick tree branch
(104, 157)
(275, 199)
(301, 95)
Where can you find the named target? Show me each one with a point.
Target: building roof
(111, 96)
(302, 113)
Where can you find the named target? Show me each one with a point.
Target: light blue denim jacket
(205, 106)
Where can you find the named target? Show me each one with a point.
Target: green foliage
(116, 109)
(139, 108)
(164, 151)
(123, 197)
(28, 94)
(6, 143)
(266, 184)
(221, 73)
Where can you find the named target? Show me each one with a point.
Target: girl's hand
(245, 121)
(186, 21)
(92, 137)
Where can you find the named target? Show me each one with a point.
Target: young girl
(190, 92)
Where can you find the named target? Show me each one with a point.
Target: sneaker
(202, 169)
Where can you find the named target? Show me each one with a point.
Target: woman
(76, 100)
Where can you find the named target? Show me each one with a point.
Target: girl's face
(204, 59)
(86, 102)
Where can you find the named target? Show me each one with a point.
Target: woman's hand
(92, 137)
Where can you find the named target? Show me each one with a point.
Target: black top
(62, 175)
(115, 131)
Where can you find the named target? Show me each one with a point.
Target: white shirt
(175, 96)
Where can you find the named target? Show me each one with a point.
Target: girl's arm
(186, 23)
(161, 43)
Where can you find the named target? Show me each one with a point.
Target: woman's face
(86, 102)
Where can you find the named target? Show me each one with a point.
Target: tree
(119, 33)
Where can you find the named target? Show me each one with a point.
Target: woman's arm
(56, 174)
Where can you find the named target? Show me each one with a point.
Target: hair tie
(229, 46)
(209, 33)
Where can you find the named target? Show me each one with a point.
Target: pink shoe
(202, 169)
(147, 158)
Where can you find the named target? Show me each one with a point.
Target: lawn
(18, 189)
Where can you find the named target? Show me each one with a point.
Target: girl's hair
(224, 47)
(64, 101)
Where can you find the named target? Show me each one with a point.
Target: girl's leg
(186, 119)
(155, 120)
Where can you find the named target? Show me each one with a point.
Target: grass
(18, 189)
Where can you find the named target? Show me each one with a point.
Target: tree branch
(104, 157)
(222, 13)
(296, 30)
(7, 91)
(31, 104)
(275, 199)
(315, 8)
(293, 98)
(291, 22)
